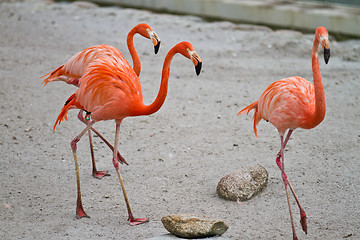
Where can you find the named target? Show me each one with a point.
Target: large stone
(173, 237)
(192, 226)
(243, 184)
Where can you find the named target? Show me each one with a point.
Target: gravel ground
(177, 155)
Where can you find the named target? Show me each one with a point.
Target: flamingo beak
(326, 55)
(156, 47)
(198, 68)
(195, 58)
(326, 47)
(156, 41)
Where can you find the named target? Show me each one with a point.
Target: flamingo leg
(96, 174)
(79, 207)
(286, 182)
(281, 166)
(133, 221)
(120, 158)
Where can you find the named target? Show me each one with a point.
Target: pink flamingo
(294, 103)
(110, 89)
(74, 68)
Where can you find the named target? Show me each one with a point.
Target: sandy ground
(177, 155)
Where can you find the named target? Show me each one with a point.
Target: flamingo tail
(257, 116)
(69, 104)
(248, 108)
(53, 75)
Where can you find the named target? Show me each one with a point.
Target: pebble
(192, 226)
(243, 184)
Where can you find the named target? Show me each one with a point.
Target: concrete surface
(285, 14)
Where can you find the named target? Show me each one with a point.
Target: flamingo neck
(320, 106)
(133, 53)
(160, 98)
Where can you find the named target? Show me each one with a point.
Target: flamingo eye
(190, 52)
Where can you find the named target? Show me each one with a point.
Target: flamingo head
(323, 36)
(146, 31)
(187, 50)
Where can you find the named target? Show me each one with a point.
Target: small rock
(192, 226)
(243, 184)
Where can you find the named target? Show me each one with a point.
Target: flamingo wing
(74, 68)
(288, 103)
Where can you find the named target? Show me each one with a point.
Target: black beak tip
(198, 68)
(326, 55)
(156, 47)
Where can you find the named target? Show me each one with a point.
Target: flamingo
(73, 69)
(294, 103)
(110, 89)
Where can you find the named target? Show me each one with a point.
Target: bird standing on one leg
(111, 90)
(294, 103)
(74, 68)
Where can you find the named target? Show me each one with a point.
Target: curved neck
(320, 106)
(160, 98)
(133, 53)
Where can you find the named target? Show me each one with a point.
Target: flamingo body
(73, 69)
(111, 90)
(287, 104)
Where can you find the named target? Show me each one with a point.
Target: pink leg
(96, 174)
(286, 182)
(133, 221)
(79, 208)
(285, 179)
(120, 158)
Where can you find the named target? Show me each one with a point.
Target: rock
(243, 184)
(173, 237)
(192, 226)
(163, 237)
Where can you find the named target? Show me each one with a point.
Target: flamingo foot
(80, 213)
(121, 159)
(136, 221)
(100, 174)
(303, 221)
